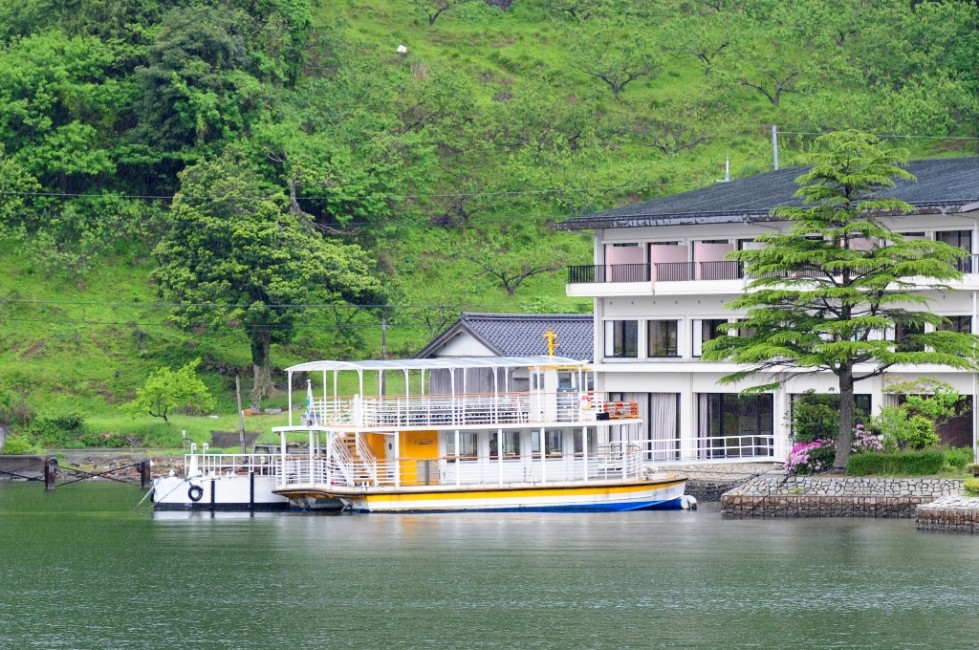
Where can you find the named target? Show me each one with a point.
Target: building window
(622, 338)
(904, 337)
(732, 426)
(705, 330)
(959, 239)
(661, 340)
(961, 324)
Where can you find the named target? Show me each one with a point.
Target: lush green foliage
(493, 124)
(817, 415)
(820, 294)
(957, 458)
(166, 390)
(970, 487)
(907, 463)
(233, 254)
(913, 424)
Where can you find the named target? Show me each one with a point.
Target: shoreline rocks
(777, 494)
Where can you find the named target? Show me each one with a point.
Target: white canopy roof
(434, 364)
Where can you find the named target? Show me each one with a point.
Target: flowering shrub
(811, 457)
(864, 441)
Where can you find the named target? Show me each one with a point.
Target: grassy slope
(91, 343)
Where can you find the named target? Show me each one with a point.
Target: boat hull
(228, 493)
(592, 497)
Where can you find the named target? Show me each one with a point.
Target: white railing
(463, 410)
(230, 464)
(610, 464)
(739, 447)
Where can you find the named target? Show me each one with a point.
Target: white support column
(282, 456)
(397, 459)
(543, 457)
(584, 452)
(289, 391)
(310, 444)
(499, 454)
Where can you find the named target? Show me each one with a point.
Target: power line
(383, 195)
(99, 303)
(890, 136)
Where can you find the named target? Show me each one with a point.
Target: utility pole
(241, 414)
(775, 145)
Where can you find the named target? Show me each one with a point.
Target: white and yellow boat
(476, 433)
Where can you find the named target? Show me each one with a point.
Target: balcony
(661, 272)
(608, 273)
(696, 271)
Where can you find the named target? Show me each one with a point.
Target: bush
(971, 487)
(972, 468)
(958, 457)
(14, 409)
(911, 463)
(811, 457)
(62, 431)
(817, 416)
(18, 443)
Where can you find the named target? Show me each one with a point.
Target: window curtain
(664, 440)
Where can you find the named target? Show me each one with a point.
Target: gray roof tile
(510, 335)
(944, 184)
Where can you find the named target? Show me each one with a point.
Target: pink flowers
(863, 441)
(811, 457)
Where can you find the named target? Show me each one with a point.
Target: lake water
(79, 569)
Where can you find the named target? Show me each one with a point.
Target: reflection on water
(81, 570)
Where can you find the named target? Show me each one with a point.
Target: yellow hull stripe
(472, 495)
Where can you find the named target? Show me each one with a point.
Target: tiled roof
(514, 335)
(947, 184)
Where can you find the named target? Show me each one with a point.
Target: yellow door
(419, 458)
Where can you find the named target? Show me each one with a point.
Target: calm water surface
(80, 569)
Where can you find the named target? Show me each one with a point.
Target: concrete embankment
(781, 495)
(956, 514)
(707, 483)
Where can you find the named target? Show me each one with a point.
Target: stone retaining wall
(708, 491)
(957, 514)
(780, 495)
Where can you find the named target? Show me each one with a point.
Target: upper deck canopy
(446, 363)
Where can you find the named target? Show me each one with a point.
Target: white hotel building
(660, 283)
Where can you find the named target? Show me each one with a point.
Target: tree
(823, 292)
(614, 54)
(165, 390)
(435, 8)
(235, 256)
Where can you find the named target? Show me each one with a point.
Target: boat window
(552, 440)
(467, 445)
(537, 381)
(566, 381)
(511, 444)
(535, 443)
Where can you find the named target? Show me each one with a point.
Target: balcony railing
(686, 271)
(434, 411)
(608, 273)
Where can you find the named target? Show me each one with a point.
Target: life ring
(585, 402)
(195, 492)
(618, 409)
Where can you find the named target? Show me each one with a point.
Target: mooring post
(50, 473)
(145, 479)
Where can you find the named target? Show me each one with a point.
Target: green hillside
(401, 161)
